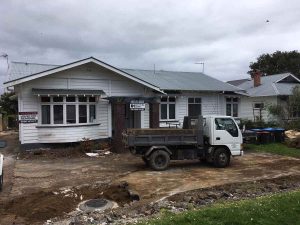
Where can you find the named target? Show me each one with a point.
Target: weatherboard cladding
(165, 80)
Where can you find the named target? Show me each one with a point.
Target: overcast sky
(173, 35)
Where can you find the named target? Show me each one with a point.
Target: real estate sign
(137, 105)
(28, 117)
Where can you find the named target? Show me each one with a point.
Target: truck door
(227, 133)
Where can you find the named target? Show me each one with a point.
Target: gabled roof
(21, 75)
(272, 85)
(159, 81)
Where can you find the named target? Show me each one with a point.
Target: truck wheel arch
(222, 147)
(154, 148)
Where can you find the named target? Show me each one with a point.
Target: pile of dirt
(136, 211)
(293, 138)
(41, 206)
(238, 190)
(47, 153)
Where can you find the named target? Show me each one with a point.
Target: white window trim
(168, 113)
(232, 103)
(194, 103)
(65, 103)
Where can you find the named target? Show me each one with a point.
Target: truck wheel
(221, 158)
(159, 160)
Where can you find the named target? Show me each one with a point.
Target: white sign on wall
(28, 117)
(138, 105)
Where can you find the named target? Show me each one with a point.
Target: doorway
(132, 118)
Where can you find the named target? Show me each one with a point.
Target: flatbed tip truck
(214, 139)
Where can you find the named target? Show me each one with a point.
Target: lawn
(275, 148)
(279, 209)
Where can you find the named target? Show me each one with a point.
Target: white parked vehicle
(209, 138)
(1, 171)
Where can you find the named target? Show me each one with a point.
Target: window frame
(167, 103)
(64, 103)
(231, 103)
(194, 103)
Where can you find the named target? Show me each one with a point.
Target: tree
(9, 103)
(277, 62)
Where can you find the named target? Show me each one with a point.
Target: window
(167, 108)
(45, 114)
(232, 106)
(58, 114)
(228, 125)
(59, 110)
(71, 114)
(258, 105)
(82, 114)
(194, 107)
(295, 112)
(92, 113)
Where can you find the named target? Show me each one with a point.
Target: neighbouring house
(261, 91)
(92, 99)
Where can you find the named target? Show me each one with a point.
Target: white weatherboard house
(91, 99)
(262, 91)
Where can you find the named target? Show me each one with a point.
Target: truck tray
(160, 131)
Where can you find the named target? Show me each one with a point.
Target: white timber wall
(211, 104)
(246, 107)
(89, 76)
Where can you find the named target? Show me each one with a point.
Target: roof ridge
(172, 71)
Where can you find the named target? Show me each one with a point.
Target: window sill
(68, 125)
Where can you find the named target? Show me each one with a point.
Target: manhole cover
(96, 205)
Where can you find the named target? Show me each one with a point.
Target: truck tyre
(221, 158)
(159, 160)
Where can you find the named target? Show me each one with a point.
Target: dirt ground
(38, 188)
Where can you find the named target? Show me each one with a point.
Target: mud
(136, 211)
(38, 187)
(41, 206)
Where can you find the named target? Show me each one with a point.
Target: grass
(279, 209)
(275, 148)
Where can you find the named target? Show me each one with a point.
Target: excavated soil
(135, 211)
(41, 206)
(49, 185)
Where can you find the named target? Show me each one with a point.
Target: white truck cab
(223, 131)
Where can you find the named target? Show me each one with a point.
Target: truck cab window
(228, 125)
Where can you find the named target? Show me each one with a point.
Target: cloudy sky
(173, 35)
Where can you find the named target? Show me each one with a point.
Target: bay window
(167, 108)
(67, 110)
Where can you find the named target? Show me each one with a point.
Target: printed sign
(138, 105)
(28, 117)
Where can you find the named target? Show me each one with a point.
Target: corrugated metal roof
(188, 81)
(269, 86)
(23, 69)
(237, 82)
(165, 80)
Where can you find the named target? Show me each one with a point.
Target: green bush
(249, 124)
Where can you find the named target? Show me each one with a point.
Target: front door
(133, 118)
